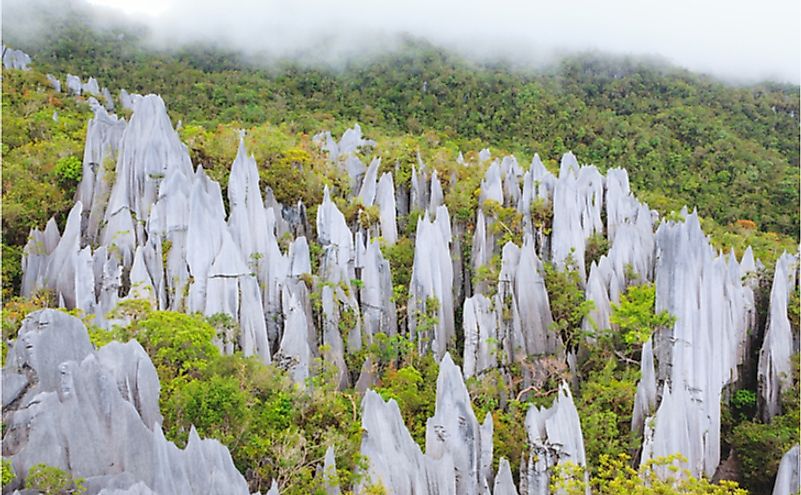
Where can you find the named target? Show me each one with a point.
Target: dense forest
(732, 152)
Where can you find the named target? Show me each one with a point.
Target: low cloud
(741, 41)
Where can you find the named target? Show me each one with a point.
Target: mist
(738, 41)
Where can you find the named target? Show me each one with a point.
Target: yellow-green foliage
(659, 476)
(50, 480)
(7, 475)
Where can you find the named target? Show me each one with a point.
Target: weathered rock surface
(15, 59)
(504, 483)
(95, 414)
(714, 313)
(554, 435)
(395, 461)
(480, 324)
(453, 432)
(787, 479)
(775, 357)
(432, 283)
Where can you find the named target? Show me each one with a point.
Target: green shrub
(8, 474)
(53, 481)
(759, 448)
(68, 169)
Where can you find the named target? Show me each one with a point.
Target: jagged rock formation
(103, 136)
(15, 59)
(394, 459)
(378, 308)
(554, 435)
(95, 413)
(330, 479)
(54, 82)
(714, 313)
(775, 357)
(480, 324)
(577, 203)
(454, 433)
(787, 479)
(156, 228)
(432, 284)
(504, 483)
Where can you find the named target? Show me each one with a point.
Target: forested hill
(269, 277)
(685, 138)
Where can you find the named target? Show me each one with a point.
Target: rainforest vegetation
(686, 139)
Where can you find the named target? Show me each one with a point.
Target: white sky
(735, 39)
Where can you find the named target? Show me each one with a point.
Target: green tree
(635, 315)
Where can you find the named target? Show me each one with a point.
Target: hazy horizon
(729, 40)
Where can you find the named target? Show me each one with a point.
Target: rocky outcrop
(453, 432)
(95, 414)
(54, 82)
(103, 136)
(714, 313)
(504, 483)
(394, 460)
(330, 477)
(15, 59)
(554, 435)
(430, 313)
(387, 213)
(480, 322)
(775, 357)
(377, 306)
(577, 204)
(787, 479)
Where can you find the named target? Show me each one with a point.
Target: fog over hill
(735, 41)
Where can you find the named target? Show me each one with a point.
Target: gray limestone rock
(54, 82)
(295, 354)
(532, 302)
(273, 489)
(136, 489)
(577, 204)
(378, 309)
(504, 483)
(555, 436)
(432, 279)
(150, 152)
(369, 184)
(103, 136)
(714, 314)
(491, 188)
(435, 197)
(453, 432)
(479, 321)
(35, 257)
(330, 477)
(332, 338)
(95, 414)
(645, 398)
(15, 59)
(775, 357)
(787, 479)
(74, 86)
(90, 87)
(385, 199)
(129, 100)
(108, 101)
(394, 460)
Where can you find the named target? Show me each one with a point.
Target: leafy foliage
(659, 476)
(635, 314)
(566, 297)
(8, 474)
(53, 481)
